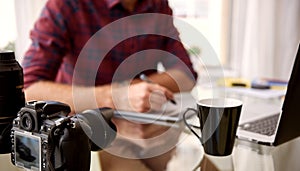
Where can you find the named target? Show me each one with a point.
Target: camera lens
(11, 96)
(11, 88)
(27, 122)
(100, 129)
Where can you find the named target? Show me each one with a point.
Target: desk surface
(246, 155)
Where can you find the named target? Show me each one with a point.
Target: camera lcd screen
(27, 151)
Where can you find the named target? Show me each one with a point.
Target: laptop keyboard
(265, 126)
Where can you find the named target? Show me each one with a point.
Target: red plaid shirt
(64, 28)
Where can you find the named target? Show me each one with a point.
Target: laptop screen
(289, 125)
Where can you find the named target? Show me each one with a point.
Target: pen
(146, 79)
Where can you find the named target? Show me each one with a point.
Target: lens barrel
(12, 97)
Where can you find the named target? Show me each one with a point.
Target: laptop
(282, 127)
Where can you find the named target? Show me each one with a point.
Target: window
(8, 29)
(211, 18)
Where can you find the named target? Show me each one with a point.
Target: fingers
(145, 96)
(156, 100)
(163, 90)
(141, 97)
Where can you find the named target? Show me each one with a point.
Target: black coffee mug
(219, 118)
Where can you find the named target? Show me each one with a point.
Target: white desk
(246, 156)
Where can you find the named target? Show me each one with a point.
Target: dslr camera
(39, 134)
(43, 137)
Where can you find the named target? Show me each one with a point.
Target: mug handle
(190, 126)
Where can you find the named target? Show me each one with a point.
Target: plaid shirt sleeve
(49, 44)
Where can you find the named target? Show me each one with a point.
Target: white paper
(260, 93)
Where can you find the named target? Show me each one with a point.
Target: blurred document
(260, 93)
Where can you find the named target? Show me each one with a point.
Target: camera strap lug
(61, 121)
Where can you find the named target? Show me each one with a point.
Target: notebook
(170, 115)
(278, 128)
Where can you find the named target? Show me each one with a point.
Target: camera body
(43, 137)
(31, 132)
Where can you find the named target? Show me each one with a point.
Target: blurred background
(252, 39)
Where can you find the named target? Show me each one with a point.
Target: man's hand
(140, 97)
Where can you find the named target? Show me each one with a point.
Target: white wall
(265, 35)
(8, 31)
(26, 12)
